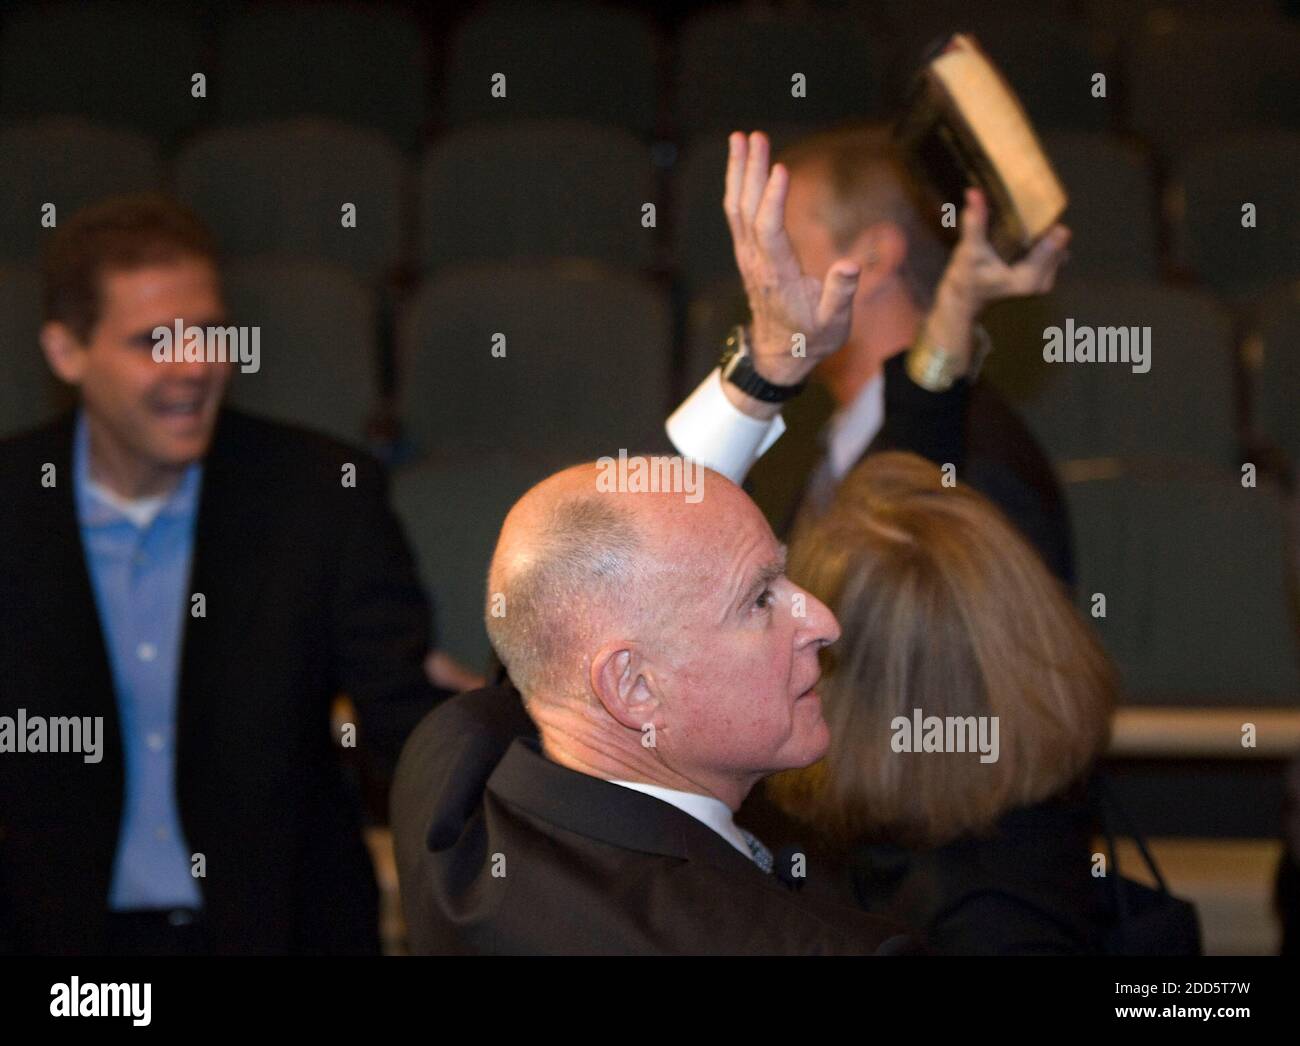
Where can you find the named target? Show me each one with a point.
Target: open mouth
(180, 410)
(180, 407)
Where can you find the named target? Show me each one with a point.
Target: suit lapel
(57, 560)
(618, 816)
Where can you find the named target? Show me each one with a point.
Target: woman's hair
(945, 609)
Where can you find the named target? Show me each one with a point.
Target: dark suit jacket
(582, 866)
(310, 591)
(970, 426)
(1026, 888)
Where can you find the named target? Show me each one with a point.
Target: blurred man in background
(835, 245)
(204, 584)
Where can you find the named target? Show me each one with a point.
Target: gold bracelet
(931, 367)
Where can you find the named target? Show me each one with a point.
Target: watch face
(738, 369)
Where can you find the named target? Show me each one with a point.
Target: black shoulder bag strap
(1108, 805)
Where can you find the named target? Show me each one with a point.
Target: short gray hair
(585, 558)
(869, 182)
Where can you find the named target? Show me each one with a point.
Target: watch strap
(738, 369)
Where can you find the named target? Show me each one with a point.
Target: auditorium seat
(937, 15)
(1113, 206)
(735, 65)
(709, 319)
(29, 392)
(560, 60)
(1192, 567)
(1275, 375)
(68, 162)
(319, 361)
(1051, 63)
(1191, 81)
(281, 187)
(701, 239)
(452, 510)
(1128, 16)
(585, 370)
(1045, 53)
(536, 189)
(1214, 184)
(1181, 409)
(119, 63)
(360, 65)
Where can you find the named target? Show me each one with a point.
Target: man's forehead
(805, 209)
(749, 553)
(809, 183)
(161, 287)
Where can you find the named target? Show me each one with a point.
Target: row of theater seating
(548, 189)
(1175, 71)
(1192, 566)
(1192, 563)
(489, 356)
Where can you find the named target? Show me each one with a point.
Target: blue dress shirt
(140, 574)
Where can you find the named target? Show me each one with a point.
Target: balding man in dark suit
(666, 665)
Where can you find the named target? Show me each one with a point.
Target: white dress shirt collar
(852, 428)
(704, 808)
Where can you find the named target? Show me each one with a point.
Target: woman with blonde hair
(968, 702)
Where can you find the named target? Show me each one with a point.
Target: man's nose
(819, 625)
(190, 371)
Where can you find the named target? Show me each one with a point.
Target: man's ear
(65, 354)
(880, 250)
(620, 680)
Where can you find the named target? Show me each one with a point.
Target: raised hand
(976, 272)
(783, 300)
(976, 276)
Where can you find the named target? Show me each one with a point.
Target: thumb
(838, 290)
(974, 217)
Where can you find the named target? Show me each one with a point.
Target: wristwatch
(738, 368)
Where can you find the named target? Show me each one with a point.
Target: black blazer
(1026, 888)
(581, 866)
(310, 591)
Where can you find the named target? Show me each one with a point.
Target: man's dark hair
(120, 233)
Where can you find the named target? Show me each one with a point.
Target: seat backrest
(539, 189)
(1193, 575)
(1181, 408)
(282, 188)
(318, 364)
(68, 162)
(580, 365)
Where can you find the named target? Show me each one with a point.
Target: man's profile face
(161, 414)
(741, 691)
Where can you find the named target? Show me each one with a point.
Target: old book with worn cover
(965, 126)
